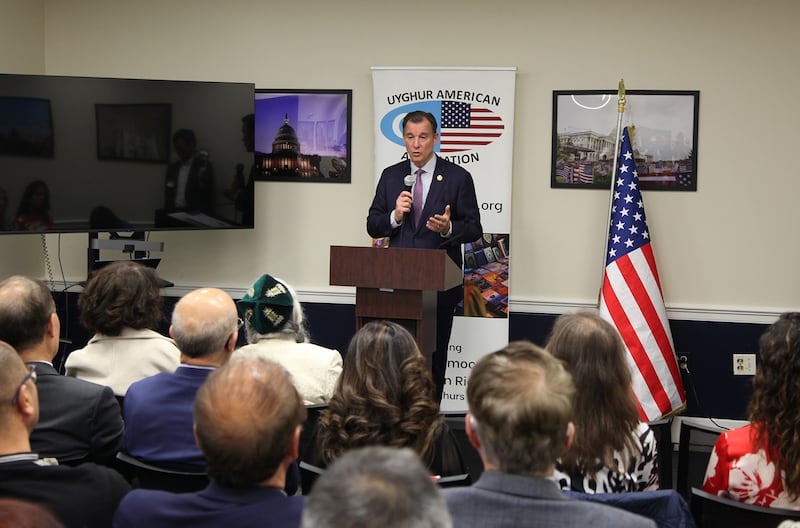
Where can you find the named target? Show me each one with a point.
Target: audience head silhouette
(204, 325)
(775, 406)
(28, 319)
(16, 513)
(247, 418)
(384, 396)
(606, 413)
(520, 402)
(376, 486)
(121, 295)
(19, 412)
(271, 310)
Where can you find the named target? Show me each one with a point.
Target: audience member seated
(158, 409)
(15, 513)
(760, 462)
(78, 420)
(385, 396)
(122, 305)
(376, 486)
(85, 495)
(247, 418)
(275, 329)
(520, 403)
(613, 452)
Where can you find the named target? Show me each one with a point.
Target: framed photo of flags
(664, 141)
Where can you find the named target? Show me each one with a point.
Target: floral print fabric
(740, 470)
(638, 473)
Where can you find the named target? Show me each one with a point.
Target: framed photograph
(26, 127)
(303, 135)
(664, 138)
(133, 132)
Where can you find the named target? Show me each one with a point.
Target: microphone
(409, 182)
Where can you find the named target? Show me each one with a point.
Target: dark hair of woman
(121, 295)
(775, 406)
(384, 396)
(605, 413)
(30, 206)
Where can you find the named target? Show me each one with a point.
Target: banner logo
(462, 126)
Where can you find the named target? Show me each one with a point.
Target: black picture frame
(303, 135)
(134, 132)
(26, 127)
(664, 139)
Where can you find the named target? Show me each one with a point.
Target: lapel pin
(439, 177)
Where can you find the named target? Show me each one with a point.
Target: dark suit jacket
(199, 185)
(78, 420)
(451, 185)
(502, 500)
(82, 496)
(214, 506)
(158, 418)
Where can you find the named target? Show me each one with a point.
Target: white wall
(727, 249)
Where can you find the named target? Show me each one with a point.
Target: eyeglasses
(30, 376)
(239, 324)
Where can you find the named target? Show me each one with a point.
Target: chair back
(454, 481)
(662, 431)
(692, 463)
(665, 506)
(309, 473)
(145, 475)
(712, 511)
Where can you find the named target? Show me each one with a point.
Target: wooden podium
(398, 284)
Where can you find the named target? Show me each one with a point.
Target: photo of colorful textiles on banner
(486, 277)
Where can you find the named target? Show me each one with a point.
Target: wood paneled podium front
(398, 284)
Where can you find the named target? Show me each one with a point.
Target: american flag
(631, 297)
(564, 171)
(586, 172)
(465, 126)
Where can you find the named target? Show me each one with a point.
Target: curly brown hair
(775, 407)
(122, 294)
(384, 396)
(605, 414)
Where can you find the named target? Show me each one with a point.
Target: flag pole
(620, 110)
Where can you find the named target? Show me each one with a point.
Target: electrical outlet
(744, 364)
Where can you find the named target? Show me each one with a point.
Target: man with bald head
(85, 495)
(247, 421)
(158, 409)
(79, 421)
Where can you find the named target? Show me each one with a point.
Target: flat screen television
(101, 153)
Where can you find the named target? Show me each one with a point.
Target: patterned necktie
(417, 198)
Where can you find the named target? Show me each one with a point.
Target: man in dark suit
(520, 404)
(247, 418)
(79, 421)
(440, 211)
(158, 409)
(189, 183)
(85, 495)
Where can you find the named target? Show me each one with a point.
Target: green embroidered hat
(267, 305)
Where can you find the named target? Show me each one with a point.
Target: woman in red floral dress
(760, 463)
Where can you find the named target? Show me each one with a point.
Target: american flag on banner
(631, 297)
(465, 126)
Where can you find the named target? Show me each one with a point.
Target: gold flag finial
(621, 96)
